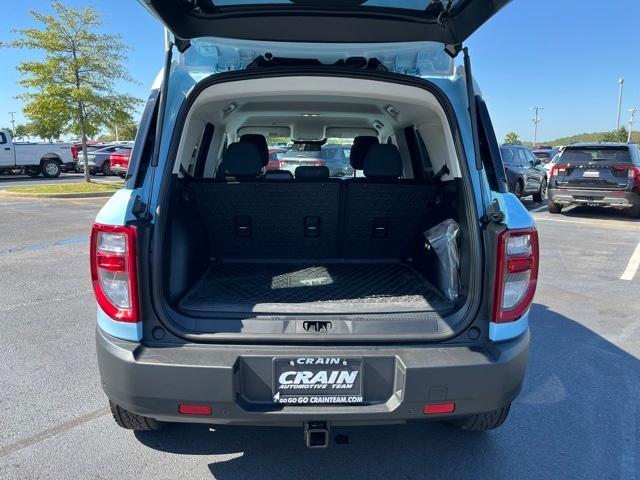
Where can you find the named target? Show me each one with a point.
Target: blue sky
(563, 55)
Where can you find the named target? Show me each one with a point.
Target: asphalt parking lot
(578, 416)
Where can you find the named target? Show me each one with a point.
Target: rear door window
(522, 156)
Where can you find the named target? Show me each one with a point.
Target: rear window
(304, 150)
(333, 154)
(596, 154)
(405, 4)
(543, 155)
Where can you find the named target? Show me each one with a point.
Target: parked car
(596, 174)
(525, 174)
(228, 298)
(334, 157)
(545, 155)
(48, 159)
(275, 154)
(76, 151)
(119, 161)
(549, 165)
(99, 159)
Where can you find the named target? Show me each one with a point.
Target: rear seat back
(247, 217)
(385, 215)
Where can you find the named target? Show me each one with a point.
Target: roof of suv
(598, 144)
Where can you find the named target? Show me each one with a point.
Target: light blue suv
(228, 294)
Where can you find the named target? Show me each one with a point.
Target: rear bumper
(118, 170)
(236, 381)
(68, 166)
(605, 198)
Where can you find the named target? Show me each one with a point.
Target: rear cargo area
(316, 287)
(252, 244)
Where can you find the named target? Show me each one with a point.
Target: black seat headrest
(278, 175)
(260, 143)
(320, 173)
(383, 161)
(359, 150)
(240, 160)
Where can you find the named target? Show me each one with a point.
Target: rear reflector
(436, 408)
(185, 409)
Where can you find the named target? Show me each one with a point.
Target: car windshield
(595, 154)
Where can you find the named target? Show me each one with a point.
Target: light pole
(621, 83)
(13, 122)
(631, 120)
(536, 121)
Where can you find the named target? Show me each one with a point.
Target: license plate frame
(591, 174)
(317, 380)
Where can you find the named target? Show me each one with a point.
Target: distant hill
(585, 137)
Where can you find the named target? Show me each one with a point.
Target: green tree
(22, 131)
(513, 138)
(47, 116)
(620, 135)
(76, 79)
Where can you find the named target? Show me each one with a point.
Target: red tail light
(318, 163)
(74, 152)
(557, 169)
(516, 274)
(114, 272)
(634, 174)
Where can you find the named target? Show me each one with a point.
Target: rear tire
(554, 207)
(483, 421)
(132, 421)
(518, 190)
(50, 168)
(540, 195)
(106, 168)
(634, 212)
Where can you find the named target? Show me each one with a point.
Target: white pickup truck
(48, 159)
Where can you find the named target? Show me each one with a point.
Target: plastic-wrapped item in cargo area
(442, 240)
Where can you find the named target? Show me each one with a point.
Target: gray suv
(597, 174)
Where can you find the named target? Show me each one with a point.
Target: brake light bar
(114, 271)
(516, 274)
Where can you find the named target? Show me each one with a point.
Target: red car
(275, 154)
(119, 162)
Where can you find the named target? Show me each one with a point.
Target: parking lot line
(539, 209)
(632, 266)
(596, 222)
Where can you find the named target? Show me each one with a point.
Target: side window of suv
(508, 155)
(424, 154)
(531, 158)
(3, 138)
(522, 155)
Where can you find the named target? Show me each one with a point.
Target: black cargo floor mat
(313, 288)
